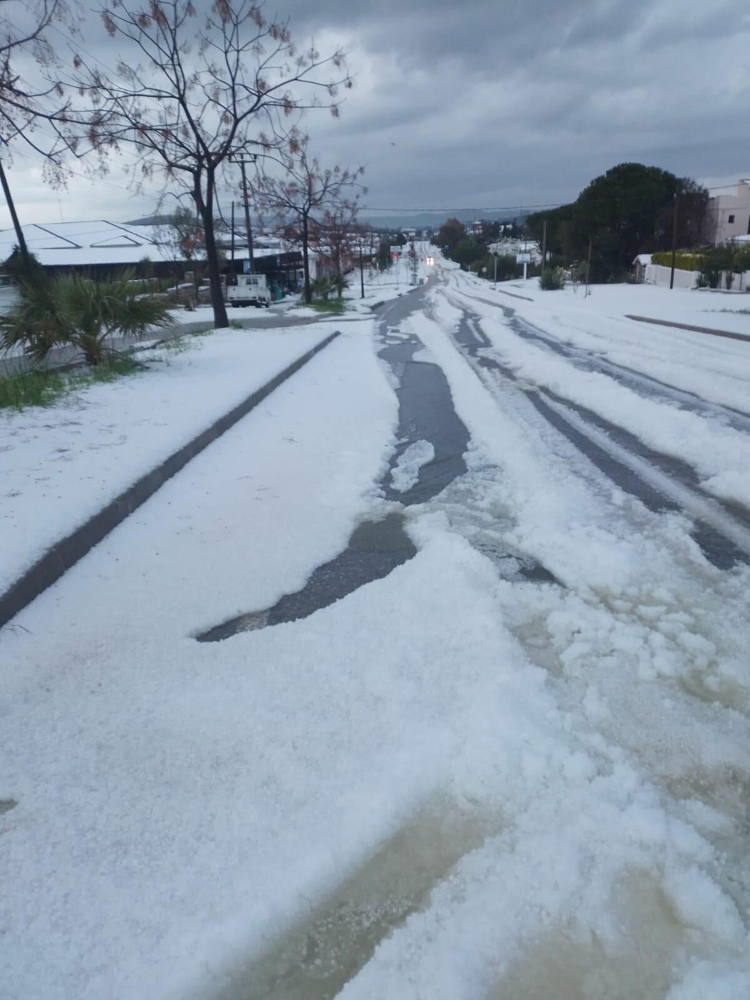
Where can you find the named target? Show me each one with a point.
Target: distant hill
(433, 220)
(149, 220)
(417, 220)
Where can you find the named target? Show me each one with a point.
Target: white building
(511, 248)
(728, 215)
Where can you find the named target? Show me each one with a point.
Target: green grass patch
(334, 306)
(39, 388)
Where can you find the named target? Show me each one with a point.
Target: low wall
(657, 274)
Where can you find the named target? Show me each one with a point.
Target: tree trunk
(24, 251)
(305, 260)
(212, 257)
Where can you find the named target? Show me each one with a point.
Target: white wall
(657, 274)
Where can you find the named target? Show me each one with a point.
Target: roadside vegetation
(42, 388)
(73, 311)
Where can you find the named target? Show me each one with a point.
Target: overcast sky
(490, 103)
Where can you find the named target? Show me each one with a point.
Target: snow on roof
(642, 258)
(84, 243)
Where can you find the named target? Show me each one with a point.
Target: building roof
(642, 258)
(82, 244)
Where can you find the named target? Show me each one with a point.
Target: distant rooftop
(83, 244)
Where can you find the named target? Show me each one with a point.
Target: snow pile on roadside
(714, 368)
(720, 454)
(405, 473)
(63, 463)
(615, 301)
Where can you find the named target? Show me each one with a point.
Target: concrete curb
(66, 553)
(694, 329)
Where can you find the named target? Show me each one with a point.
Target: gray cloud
(491, 103)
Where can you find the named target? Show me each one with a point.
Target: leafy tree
(384, 255)
(626, 211)
(450, 235)
(468, 251)
(77, 311)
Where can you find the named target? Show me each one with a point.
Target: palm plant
(339, 283)
(79, 312)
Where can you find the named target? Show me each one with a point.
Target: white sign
(523, 258)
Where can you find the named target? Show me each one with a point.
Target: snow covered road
(514, 766)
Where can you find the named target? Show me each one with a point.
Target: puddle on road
(374, 550)
(376, 547)
(315, 958)
(574, 963)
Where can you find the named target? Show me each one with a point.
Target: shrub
(684, 259)
(338, 284)
(552, 279)
(322, 288)
(78, 312)
(714, 261)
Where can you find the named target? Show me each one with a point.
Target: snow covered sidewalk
(61, 464)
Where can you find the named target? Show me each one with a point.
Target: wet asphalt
(426, 413)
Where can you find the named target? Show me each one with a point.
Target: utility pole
(23, 249)
(232, 237)
(588, 271)
(495, 256)
(252, 158)
(544, 247)
(674, 240)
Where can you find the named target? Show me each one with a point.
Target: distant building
(104, 249)
(95, 246)
(728, 215)
(511, 247)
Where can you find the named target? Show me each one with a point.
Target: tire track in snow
(659, 481)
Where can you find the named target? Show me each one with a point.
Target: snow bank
(63, 463)
(406, 471)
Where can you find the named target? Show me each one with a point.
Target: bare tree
(190, 92)
(303, 194)
(25, 102)
(333, 233)
(183, 239)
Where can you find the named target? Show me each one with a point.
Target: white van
(250, 290)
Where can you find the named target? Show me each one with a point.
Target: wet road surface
(376, 547)
(661, 482)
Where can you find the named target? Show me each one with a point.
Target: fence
(657, 274)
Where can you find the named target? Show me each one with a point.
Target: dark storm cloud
(488, 103)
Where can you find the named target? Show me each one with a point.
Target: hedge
(684, 260)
